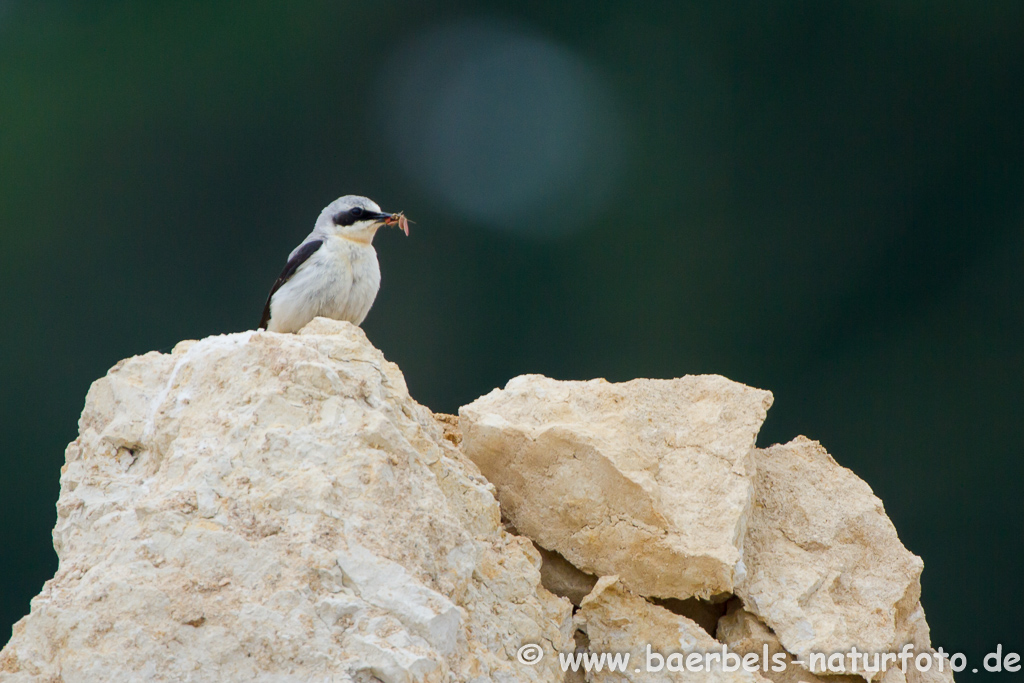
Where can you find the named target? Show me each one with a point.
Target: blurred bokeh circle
(502, 126)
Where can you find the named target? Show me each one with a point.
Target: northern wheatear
(334, 272)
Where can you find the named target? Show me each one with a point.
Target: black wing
(301, 256)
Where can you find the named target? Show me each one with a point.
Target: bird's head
(355, 218)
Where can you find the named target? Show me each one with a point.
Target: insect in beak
(399, 219)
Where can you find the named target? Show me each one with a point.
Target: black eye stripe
(347, 217)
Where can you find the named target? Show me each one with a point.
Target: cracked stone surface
(744, 633)
(617, 621)
(825, 567)
(650, 480)
(275, 507)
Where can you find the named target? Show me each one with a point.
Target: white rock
(650, 480)
(387, 585)
(825, 568)
(745, 634)
(275, 507)
(658, 641)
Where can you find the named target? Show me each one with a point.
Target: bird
(334, 271)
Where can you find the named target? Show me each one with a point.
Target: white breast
(340, 280)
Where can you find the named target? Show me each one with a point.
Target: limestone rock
(744, 633)
(650, 480)
(275, 507)
(825, 568)
(916, 632)
(617, 621)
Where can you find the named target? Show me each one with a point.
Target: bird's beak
(399, 219)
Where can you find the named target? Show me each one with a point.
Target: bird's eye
(356, 212)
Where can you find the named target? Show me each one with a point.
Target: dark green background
(821, 199)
